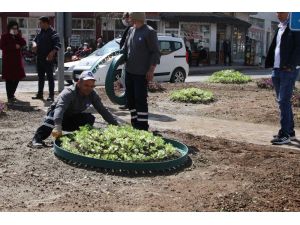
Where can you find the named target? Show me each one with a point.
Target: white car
(173, 65)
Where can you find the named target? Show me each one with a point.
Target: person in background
(68, 58)
(142, 54)
(100, 42)
(284, 57)
(227, 52)
(188, 48)
(127, 23)
(46, 44)
(68, 54)
(86, 50)
(67, 112)
(12, 69)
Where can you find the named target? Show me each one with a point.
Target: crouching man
(67, 112)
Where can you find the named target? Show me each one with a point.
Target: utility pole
(60, 29)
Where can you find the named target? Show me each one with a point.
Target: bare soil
(222, 175)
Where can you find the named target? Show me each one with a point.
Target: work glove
(57, 131)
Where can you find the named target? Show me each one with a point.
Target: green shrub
(192, 95)
(122, 143)
(229, 77)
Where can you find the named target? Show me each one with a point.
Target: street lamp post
(60, 61)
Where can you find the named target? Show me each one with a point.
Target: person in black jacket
(127, 23)
(46, 44)
(284, 57)
(142, 54)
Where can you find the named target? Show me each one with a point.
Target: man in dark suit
(46, 45)
(284, 57)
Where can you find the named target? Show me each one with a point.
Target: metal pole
(61, 58)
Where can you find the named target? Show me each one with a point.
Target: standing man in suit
(284, 57)
(46, 44)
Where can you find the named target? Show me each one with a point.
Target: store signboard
(39, 14)
(75, 40)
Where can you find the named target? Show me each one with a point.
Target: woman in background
(12, 63)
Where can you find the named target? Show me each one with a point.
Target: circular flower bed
(119, 143)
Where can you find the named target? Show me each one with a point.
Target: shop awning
(218, 18)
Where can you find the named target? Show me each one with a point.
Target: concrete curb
(193, 71)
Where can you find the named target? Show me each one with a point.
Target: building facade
(200, 30)
(261, 33)
(209, 31)
(86, 26)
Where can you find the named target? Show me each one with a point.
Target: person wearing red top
(12, 63)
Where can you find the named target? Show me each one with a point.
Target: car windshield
(107, 48)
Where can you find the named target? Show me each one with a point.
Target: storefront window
(85, 28)
(33, 23)
(172, 25)
(21, 21)
(238, 44)
(172, 28)
(197, 34)
(76, 23)
(257, 22)
(88, 24)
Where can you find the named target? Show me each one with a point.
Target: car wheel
(178, 76)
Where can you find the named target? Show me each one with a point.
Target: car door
(163, 70)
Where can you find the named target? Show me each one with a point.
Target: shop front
(207, 32)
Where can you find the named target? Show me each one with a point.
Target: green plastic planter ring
(127, 166)
(110, 79)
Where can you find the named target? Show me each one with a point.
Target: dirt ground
(233, 102)
(223, 175)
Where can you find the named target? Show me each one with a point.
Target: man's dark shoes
(37, 142)
(281, 139)
(38, 96)
(292, 136)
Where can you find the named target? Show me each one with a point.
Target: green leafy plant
(192, 95)
(229, 77)
(122, 143)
